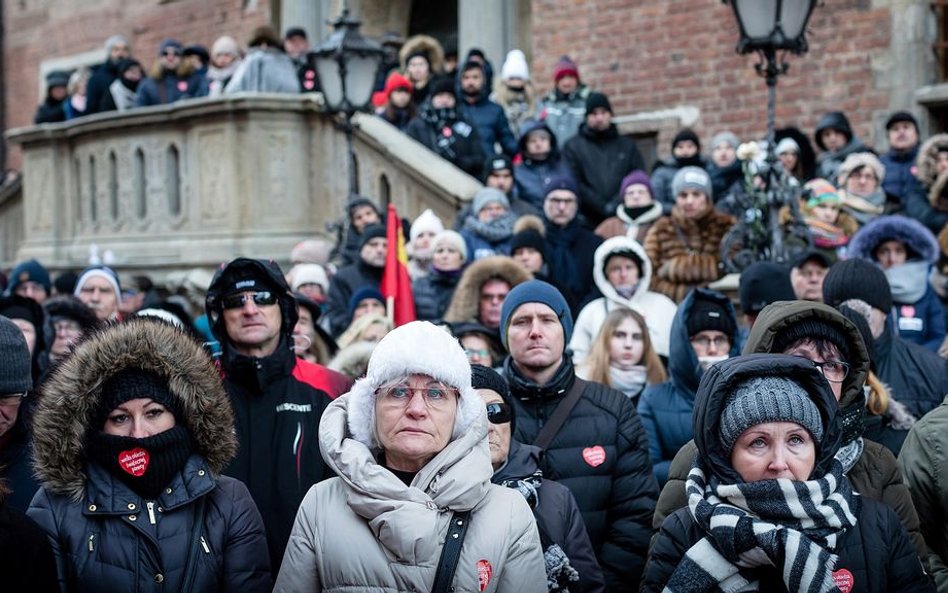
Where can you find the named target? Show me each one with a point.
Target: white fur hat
(426, 221)
(419, 347)
(308, 274)
(515, 66)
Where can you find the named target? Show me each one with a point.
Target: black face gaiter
(145, 465)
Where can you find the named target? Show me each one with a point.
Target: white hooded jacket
(657, 309)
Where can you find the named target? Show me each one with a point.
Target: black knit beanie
(686, 134)
(487, 378)
(131, 384)
(528, 238)
(813, 329)
(707, 315)
(857, 279)
(373, 231)
(595, 100)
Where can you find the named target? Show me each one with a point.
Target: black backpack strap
(560, 414)
(451, 552)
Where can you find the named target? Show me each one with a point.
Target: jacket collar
(107, 495)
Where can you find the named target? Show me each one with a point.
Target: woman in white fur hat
(409, 447)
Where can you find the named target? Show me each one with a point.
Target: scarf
(864, 208)
(524, 388)
(631, 382)
(826, 235)
(627, 291)
(791, 525)
(562, 259)
(908, 281)
(145, 465)
(492, 231)
(559, 571)
(122, 94)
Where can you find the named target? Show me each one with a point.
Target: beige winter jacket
(367, 531)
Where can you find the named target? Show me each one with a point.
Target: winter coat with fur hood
(465, 303)
(393, 533)
(657, 309)
(917, 312)
(685, 252)
(105, 536)
(875, 473)
(666, 409)
(925, 204)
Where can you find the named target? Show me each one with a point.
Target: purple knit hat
(637, 176)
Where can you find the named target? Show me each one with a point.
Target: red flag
(396, 284)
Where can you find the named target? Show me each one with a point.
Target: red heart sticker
(484, 572)
(843, 579)
(447, 132)
(594, 456)
(182, 85)
(134, 461)
(908, 311)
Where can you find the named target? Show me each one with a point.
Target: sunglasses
(236, 301)
(498, 413)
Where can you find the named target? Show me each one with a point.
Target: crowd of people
(576, 408)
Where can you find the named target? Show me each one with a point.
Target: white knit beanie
(419, 347)
(308, 274)
(426, 221)
(452, 239)
(515, 66)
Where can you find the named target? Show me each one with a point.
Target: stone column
(485, 24)
(309, 14)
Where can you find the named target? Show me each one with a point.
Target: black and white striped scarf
(791, 525)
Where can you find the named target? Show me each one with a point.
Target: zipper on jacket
(151, 512)
(91, 544)
(207, 549)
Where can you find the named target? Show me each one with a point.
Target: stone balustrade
(199, 182)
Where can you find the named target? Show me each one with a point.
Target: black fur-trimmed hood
(68, 399)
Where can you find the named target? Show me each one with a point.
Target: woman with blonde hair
(622, 355)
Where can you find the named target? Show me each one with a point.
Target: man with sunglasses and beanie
(569, 555)
(278, 398)
(592, 439)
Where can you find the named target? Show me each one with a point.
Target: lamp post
(769, 28)
(347, 64)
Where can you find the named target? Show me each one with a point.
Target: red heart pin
(594, 456)
(134, 461)
(908, 311)
(182, 85)
(484, 572)
(844, 580)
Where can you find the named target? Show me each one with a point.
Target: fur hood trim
(530, 222)
(419, 347)
(425, 43)
(69, 398)
(621, 244)
(353, 360)
(925, 170)
(465, 304)
(894, 228)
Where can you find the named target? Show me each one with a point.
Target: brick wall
(649, 56)
(37, 30)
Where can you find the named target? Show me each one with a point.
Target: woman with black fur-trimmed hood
(131, 433)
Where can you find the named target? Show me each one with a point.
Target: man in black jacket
(364, 273)
(600, 158)
(600, 452)
(278, 398)
(116, 50)
(444, 131)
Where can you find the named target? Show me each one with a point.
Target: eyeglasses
(67, 326)
(261, 299)
(834, 370)
(11, 400)
(435, 395)
(481, 352)
(705, 341)
(498, 413)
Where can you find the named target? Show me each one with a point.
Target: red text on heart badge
(134, 461)
(843, 579)
(594, 456)
(484, 572)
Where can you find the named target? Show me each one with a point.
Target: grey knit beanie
(16, 375)
(692, 178)
(768, 399)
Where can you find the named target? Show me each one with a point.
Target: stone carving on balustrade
(39, 172)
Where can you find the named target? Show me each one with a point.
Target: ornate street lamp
(347, 64)
(771, 29)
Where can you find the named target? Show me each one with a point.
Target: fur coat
(465, 305)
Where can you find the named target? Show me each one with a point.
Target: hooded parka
(105, 536)
(875, 474)
(657, 309)
(925, 203)
(666, 409)
(366, 530)
(876, 553)
(465, 302)
(531, 175)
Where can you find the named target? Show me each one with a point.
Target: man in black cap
(600, 158)
(278, 399)
(807, 275)
(916, 376)
(899, 161)
(762, 283)
(365, 272)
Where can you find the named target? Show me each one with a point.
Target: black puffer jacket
(26, 559)
(599, 160)
(450, 136)
(345, 283)
(433, 294)
(877, 552)
(557, 515)
(278, 401)
(601, 455)
(107, 538)
(916, 376)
